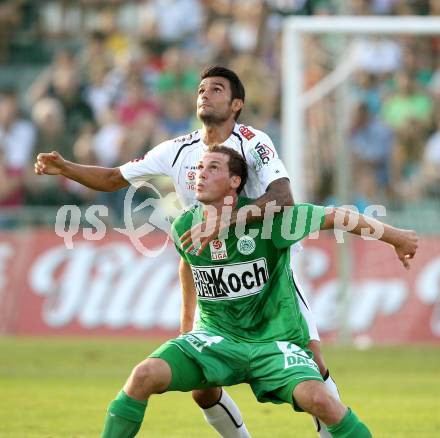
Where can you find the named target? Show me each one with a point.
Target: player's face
(213, 181)
(214, 103)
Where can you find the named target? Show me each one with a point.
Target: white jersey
(178, 159)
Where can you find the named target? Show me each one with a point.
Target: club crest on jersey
(246, 245)
(218, 250)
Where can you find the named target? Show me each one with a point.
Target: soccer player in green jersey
(246, 296)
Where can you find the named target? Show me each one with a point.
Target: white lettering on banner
(428, 290)
(109, 268)
(368, 299)
(6, 252)
(373, 297)
(64, 296)
(108, 285)
(326, 306)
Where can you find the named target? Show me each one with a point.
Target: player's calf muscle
(206, 398)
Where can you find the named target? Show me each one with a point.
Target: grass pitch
(59, 387)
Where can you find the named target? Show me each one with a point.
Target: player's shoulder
(184, 221)
(251, 135)
(187, 139)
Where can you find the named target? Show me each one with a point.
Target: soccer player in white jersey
(220, 99)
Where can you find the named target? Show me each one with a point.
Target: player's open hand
(49, 164)
(199, 236)
(407, 247)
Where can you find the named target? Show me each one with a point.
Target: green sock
(350, 427)
(124, 417)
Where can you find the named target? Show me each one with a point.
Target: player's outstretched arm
(104, 179)
(277, 192)
(403, 241)
(189, 299)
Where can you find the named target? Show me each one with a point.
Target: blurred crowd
(122, 77)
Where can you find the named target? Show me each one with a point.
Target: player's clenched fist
(49, 164)
(407, 246)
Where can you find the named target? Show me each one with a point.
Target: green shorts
(272, 369)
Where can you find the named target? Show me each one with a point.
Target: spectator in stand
(95, 52)
(430, 169)
(371, 145)
(17, 140)
(98, 93)
(135, 103)
(434, 85)
(139, 113)
(409, 111)
(214, 44)
(244, 31)
(426, 182)
(62, 82)
(174, 21)
(259, 80)
(107, 142)
(383, 7)
(417, 60)
(378, 55)
(150, 62)
(178, 75)
(176, 119)
(10, 17)
(408, 103)
(411, 7)
(48, 116)
(63, 61)
(369, 90)
(117, 42)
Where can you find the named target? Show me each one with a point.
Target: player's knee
(151, 376)
(323, 405)
(319, 401)
(206, 398)
(313, 397)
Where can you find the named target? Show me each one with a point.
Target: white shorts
(304, 305)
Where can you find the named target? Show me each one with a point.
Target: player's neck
(221, 205)
(217, 134)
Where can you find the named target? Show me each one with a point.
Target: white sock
(225, 418)
(333, 389)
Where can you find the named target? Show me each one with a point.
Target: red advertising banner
(106, 287)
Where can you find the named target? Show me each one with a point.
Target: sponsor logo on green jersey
(235, 280)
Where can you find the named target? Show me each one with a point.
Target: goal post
(331, 88)
(292, 135)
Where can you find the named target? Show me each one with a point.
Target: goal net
(361, 128)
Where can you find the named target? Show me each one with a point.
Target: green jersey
(244, 284)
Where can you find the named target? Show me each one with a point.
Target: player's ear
(235, 182)
(237, 104)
